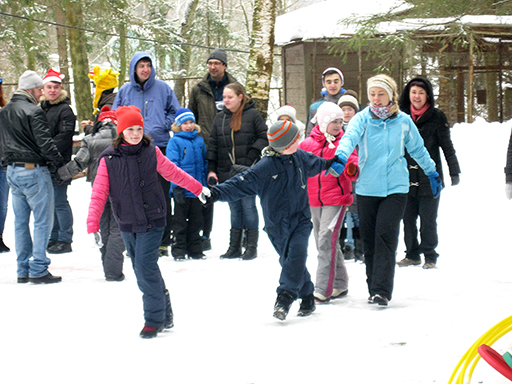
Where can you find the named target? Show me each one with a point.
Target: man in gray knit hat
(205, 101)
(28, 152)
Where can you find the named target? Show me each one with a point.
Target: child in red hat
(128, 175)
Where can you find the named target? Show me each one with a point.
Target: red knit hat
(54, 76)
(127, 117)
(107, 115)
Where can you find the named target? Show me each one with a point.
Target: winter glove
(335, 166)
(455, 180)
(212, 181)
(179, 195)
(351, 169)
(212, 198)
(204, 195)
(508, 190)
(435, 183)
(97, 239)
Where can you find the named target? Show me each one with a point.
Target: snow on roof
(317, 21)
(320, 20)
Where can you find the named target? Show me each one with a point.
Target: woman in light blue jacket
(383, 133)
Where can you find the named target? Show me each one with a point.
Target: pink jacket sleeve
(99, 196)
(171, 172)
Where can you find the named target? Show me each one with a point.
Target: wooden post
(471, 79)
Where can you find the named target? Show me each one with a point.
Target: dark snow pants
(379, 224)
(187, 223)
(113, 246)
(291, 243)
(424, 207)
(143, 250)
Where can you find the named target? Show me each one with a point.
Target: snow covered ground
(85, 330)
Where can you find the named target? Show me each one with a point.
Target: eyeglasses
(214, 63)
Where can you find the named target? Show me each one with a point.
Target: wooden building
(469, 81)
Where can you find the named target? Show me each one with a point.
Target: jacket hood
(187, 135)
(133, 63)
(62, 97)
(405, 101)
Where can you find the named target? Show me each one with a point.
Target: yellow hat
(104, 80)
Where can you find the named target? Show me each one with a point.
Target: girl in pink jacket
(329, 198)
(128, 175)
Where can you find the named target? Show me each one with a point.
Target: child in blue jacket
(280, 180)
(187, 150)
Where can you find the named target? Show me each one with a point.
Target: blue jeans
(244, 214)
(142, 248)
(32, 191)
(63, 218)
(4, 197)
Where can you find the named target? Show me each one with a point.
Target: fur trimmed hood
(63, 95)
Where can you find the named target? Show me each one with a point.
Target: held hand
(212, 179)
(508, 190)
(351, 169)
(203, 196)
(97, 239)
(335, 166)
(435, 183)
(213, 197)
(455, 180)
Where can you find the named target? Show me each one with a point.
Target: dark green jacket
(202, 104)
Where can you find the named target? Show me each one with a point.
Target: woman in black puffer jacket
(237, 136)
(417, 100)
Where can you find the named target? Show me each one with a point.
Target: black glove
(179, 195)
(212, 181)
(455, 179)
(214, 196)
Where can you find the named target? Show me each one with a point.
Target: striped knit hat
(182, 115)
(282, 134)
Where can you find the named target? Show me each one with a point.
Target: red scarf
(417, 113)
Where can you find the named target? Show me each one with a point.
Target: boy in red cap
(128, 174)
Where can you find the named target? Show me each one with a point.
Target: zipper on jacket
(184, 153)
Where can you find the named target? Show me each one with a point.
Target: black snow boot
(307, 305)
(3, 247)
(282, 306)
(252, 245)
(235, 245)
(169, 317)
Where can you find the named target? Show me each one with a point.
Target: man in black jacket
(205, 101)
(28, 152)
(55, 103)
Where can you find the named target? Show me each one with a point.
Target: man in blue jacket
(158, 105)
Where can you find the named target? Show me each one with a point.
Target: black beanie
(219, 54)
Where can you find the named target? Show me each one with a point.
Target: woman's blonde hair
(386, 82)
(177, 128)
(236, 120)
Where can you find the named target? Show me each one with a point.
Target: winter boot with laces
(282, 306)
(235, 245)
(307, 306)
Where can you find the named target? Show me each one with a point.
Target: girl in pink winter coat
(329, 198)
(128, 175)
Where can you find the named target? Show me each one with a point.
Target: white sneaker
(337, 293)
(321, 298)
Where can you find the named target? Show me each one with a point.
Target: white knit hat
(287, 110)
(30, 80)
(327, 112)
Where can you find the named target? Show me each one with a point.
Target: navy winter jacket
(281, 183)
(187, 151)
(156, 100)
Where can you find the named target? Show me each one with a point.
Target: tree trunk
(62, 43)
(261, 58)
(79, 60)
(491, 85)
(184, 60)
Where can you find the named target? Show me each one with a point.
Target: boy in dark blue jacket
(280, 180)
(187, 150)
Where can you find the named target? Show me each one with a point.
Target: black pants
(207, 220)
(379, 225)
(166, 186)
(426, 209)
(113, 247)
(188, 221)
